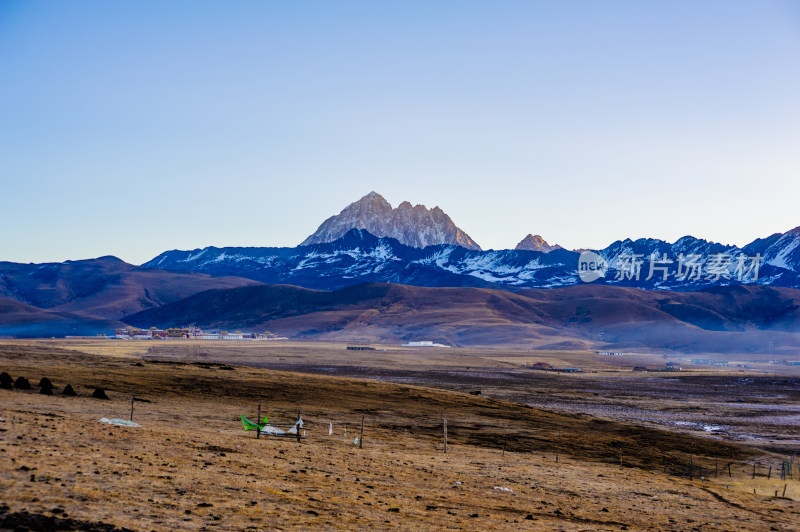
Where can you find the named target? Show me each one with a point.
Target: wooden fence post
(361, 438)
(558, 444)
(445, 436)
(133, 394)
(258, 422)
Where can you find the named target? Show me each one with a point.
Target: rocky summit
(536, 243)
(415, 226)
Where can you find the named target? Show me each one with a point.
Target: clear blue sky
(132, 127)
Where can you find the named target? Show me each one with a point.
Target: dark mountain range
(737, 319)
(80, 297)
(360, 257)
(414, 226)
(106, 288)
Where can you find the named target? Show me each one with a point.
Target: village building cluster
(544, 366)
(191, 332)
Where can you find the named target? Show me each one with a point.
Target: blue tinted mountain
(360, 257)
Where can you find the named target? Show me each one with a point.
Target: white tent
(275, 431)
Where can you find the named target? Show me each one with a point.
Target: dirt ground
(190, 466)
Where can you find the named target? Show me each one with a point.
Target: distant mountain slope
(728, 319)
(728, 308)
(414, 226)
(365, 311)
(781, 249)
(360, 257)
(24, 321)
(102, 288)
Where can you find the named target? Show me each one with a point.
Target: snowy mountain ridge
(359, 256)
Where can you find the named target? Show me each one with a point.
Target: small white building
(423, 343)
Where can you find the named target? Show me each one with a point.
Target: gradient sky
(129, 128)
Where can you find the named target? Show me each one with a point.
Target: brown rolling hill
(20, 320)
(729, 320)
(732, 319)
(105, 288)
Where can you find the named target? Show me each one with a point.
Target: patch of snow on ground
(780, 258)
(439, 259)
(196, 256)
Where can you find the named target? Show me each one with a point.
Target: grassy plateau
(508, 465)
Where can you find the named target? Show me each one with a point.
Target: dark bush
(99, 393)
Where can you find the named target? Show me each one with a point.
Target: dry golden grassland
(394, 356)
(191, 466)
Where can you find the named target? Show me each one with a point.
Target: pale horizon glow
(132, 128)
